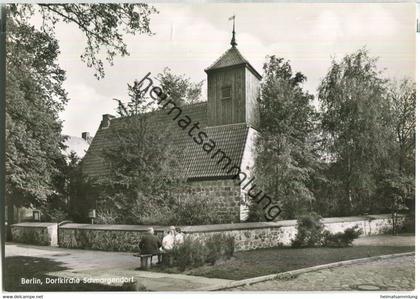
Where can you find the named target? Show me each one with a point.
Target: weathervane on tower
(233, 41)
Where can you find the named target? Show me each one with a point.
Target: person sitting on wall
(149, 243)
(179, 236)
(169, 240)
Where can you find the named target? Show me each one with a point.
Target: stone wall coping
(34, 224)
(217, 227)
(236, 226)
(282, 223)
(116, 227)
(356, 218)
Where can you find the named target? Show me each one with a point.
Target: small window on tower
(226, 92)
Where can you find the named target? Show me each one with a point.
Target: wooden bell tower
(232, 89)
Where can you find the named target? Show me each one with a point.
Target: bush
(341, 239)
(56, 215)
(220, 246)
(196, 252)
(161, 215)
(310, 231)
(256, 212)
(106, 216)
(192, 253)
(409, 224)
(194, 211)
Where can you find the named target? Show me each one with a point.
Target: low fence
(37, 233)
(247, 235)
(126, 237)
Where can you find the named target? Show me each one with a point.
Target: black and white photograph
(208, 147)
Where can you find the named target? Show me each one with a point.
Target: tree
(356, 123)
(180, 88)
(144, 165)
(81, 191)
(403, 108)
(35, 93)
(57, 206)
(286, 157)
(396, 184)
(103, 25)
(34, 96)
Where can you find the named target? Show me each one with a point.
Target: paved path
(91, 264)
(396, 274)
(392, 274)
(75, 258)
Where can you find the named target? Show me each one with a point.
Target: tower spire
(233, 40)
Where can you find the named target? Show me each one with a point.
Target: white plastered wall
(247, 166)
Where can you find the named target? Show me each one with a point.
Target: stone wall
(247, 235)
(37, 233)
(370, 225)
(103, 236)
(225, 196)
(250, 236)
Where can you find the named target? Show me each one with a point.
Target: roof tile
(229, 58)
(195, 161)
(232, 57)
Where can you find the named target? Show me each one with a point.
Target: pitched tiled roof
(195, 161)
(94, 164)
(230, 139)
(230, 58)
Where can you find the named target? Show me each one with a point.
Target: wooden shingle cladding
(232, 71)
(252, 93)
(222, 111)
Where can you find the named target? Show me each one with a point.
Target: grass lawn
(18, 267)
(260, 262)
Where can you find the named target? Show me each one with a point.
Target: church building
(230, 117)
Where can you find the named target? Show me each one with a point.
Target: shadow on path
(36, 269)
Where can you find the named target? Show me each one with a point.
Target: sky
(190, 37)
